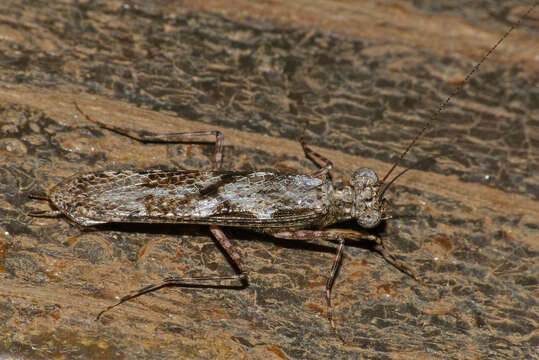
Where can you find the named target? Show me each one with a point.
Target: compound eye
(369, 220)
(365, 173)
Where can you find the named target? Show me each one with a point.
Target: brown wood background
(366, 74)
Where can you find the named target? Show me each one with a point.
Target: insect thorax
(368, 210)
(359, 200)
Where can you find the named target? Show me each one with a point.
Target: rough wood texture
(366, 75)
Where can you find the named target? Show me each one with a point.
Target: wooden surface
(366, 75)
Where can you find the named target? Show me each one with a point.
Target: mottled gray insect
(299, 207)
(283, 205)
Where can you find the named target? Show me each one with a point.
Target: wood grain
(365, 75)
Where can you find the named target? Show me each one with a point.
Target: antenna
(444, 104)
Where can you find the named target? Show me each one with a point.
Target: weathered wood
(366, 76)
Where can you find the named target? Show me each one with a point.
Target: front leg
(321, 235)
(339, 236)
(324, 163)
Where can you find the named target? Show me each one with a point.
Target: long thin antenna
(455, 92)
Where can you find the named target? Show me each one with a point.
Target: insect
(294, 207)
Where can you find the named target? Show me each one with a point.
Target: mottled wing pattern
(257, 199)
